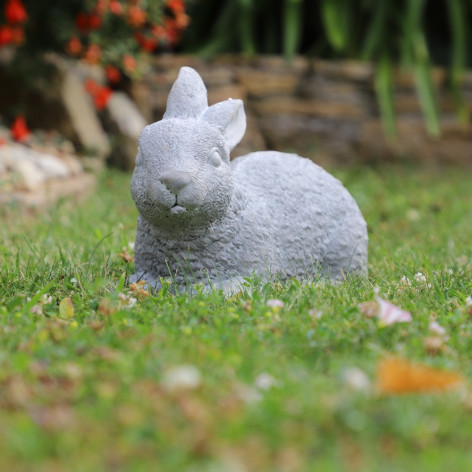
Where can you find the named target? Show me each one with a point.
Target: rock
(264, 83)
(56, 101)
(83, 125)
(413, 142)
(126, 122)
(297, 106)
(32, 178)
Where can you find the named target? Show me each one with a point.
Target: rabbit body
(206, 219)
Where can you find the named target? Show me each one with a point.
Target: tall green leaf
(375, 37)
(426, 91)
(246, 31)
(292, 27)
(336, 19)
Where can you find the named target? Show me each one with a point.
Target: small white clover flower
(405, 281)
(265, 381)
(420, 278)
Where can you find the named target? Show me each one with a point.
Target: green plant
(410, 34)
(109, 32)
(283, 376)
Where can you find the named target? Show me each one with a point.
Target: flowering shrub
(109, 32)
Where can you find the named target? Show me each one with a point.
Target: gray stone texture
(206, 219)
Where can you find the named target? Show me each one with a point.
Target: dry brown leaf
(137, 289)
(126, 256)
(396, 376)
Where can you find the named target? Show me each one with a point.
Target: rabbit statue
(204, 219)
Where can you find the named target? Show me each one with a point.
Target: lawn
(287, 376)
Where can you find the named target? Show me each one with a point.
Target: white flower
(420, 278)
(183, 377)
(265, 381)
(315, 314)
(274, 303)
(128, 301)
(390, 314)
(405, 281)
(435, 327)
(356, 379)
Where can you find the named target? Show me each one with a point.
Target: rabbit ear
(229, 117)
(188, 96)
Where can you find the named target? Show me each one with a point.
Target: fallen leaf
(390, 314)
(126, 256)
(66, 308)
(386, 312)
(397, 376)
(137, 289)
(434, 344)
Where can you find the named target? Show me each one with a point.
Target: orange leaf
(396, 376)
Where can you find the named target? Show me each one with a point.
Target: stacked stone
(327, 111)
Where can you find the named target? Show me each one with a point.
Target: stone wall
(323, 110)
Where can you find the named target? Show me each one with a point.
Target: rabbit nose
(175, 180)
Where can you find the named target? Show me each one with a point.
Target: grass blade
(335, 17)
(427, 95)
(292, 27)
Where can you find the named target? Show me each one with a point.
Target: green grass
(90, 388)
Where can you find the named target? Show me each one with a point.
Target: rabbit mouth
(177, 209)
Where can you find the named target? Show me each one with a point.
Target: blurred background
(341, 82)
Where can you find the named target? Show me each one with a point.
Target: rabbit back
(310, 219)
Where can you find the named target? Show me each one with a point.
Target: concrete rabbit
(204, 219)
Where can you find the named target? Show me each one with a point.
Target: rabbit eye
(214, 158)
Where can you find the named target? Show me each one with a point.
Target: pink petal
(390, 314)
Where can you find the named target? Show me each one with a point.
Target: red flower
(159, 31)
(136, 16)
(101, 6)
(116, 7)
(100, 94)
(82, 22)
(177, 6)
(19, 130)
(129, 63)
(173, 31)
(147, 44)
(94, 21)
(74, 46)
(6, 36)
(15, 12)
(112, 73)
(101, 98)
